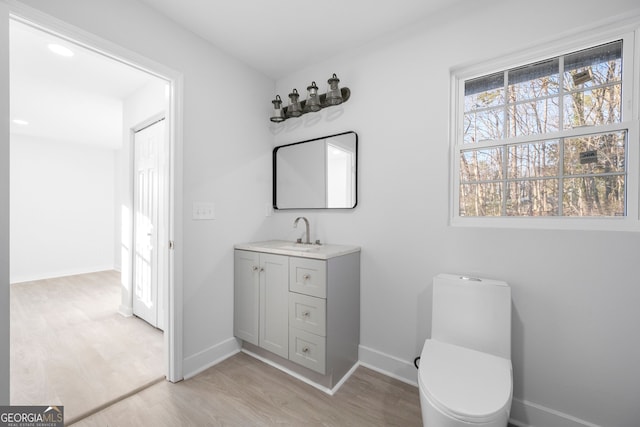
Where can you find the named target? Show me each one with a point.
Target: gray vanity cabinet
(303, 309)
(261, 300)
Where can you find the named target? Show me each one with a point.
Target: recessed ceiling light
(20, 122)
(60, 50)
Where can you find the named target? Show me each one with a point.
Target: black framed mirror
(319, 173)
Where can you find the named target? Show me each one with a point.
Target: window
(548, 139)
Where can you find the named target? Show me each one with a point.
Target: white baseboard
(57, 274)
(209, 357)
(329, 391)
(125, 310)
(527, 414)
(388, 365)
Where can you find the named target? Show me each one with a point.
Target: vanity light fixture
(294, 109)
(278, 111)
(313, 99)
(314, 102)
(334, 97)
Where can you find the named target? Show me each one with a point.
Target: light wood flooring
(243, 391)
(69, 345)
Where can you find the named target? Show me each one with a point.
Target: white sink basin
(300, 247)
(301, 250)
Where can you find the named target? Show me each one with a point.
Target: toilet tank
(472, 313)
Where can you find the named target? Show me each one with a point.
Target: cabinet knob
(254, 268)
(305, 349)
(261, 268)
(306, 314)
(306, 277)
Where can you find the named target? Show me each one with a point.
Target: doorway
(170, 265)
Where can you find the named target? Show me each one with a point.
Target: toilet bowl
(462, 387)
(465, 375)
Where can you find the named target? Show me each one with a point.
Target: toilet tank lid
(459, 277)
(465, 384)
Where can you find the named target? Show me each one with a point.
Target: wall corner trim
(203, 360)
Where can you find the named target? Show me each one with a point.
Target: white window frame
(630, 34)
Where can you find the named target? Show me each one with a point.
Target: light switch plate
(203, 211)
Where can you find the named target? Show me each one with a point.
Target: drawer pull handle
(306, 314)
(306, 277)
(305, 349)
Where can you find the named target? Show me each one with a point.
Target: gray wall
(75, 235)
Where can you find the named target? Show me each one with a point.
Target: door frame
(173, 334)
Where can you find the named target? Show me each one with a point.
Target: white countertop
(283, 247)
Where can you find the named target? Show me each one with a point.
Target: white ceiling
(280, 36)
(76, 99)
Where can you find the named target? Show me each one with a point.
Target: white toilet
(465, 377)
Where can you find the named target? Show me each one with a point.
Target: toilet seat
(465, 384)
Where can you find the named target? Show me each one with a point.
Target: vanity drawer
(307, 349)
(308, 313)
(308, 276)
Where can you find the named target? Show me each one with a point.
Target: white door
(148, 156)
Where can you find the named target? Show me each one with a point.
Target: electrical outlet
(203, 211)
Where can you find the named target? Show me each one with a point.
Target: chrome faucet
(306, 222)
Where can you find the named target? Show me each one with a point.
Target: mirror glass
(319, 173)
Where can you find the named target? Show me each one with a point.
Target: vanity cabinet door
(246, 295)
(274, 304)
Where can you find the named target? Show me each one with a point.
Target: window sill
(585, 224)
